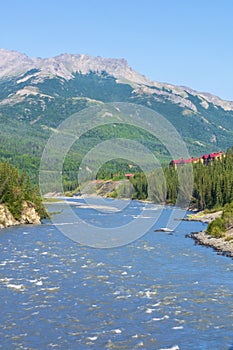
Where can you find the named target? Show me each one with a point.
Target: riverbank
(223, 245)
(204, 217)
(29, 215)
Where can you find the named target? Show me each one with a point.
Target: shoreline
(29, 215)
(220, 245)
(223, 245)
(201, 216)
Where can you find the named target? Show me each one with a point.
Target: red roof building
(205, 159)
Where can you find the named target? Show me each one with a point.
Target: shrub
(227, 215)
(216, 228)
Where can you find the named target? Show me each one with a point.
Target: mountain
(36, 94)
(33, 71)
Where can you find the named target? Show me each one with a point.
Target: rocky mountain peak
(14, 64)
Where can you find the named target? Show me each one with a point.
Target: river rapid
(160, 291)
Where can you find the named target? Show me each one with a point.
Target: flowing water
(158, 292)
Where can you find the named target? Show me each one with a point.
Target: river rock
(6, 218)
(29, 214)
(221, 245)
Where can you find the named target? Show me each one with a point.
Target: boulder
(6, 218)
(29, 214)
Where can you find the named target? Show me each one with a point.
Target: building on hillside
(205, 159)
(179, 162)
(208, 158)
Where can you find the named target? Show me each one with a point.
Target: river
(160, 291)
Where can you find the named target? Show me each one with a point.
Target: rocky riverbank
(29, 215)
(223, 245)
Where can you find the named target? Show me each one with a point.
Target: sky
(181, 42)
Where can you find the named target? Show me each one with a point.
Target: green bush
(227, 215)
(216, 228)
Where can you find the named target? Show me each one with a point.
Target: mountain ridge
(14, 63)
(64, 65)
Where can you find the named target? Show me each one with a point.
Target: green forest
(212, 190)
(212, 184)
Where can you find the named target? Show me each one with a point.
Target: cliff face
(109, 188)
(28, 216)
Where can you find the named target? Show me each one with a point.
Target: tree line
(212, 184)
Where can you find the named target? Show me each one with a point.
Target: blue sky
(182, 42)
